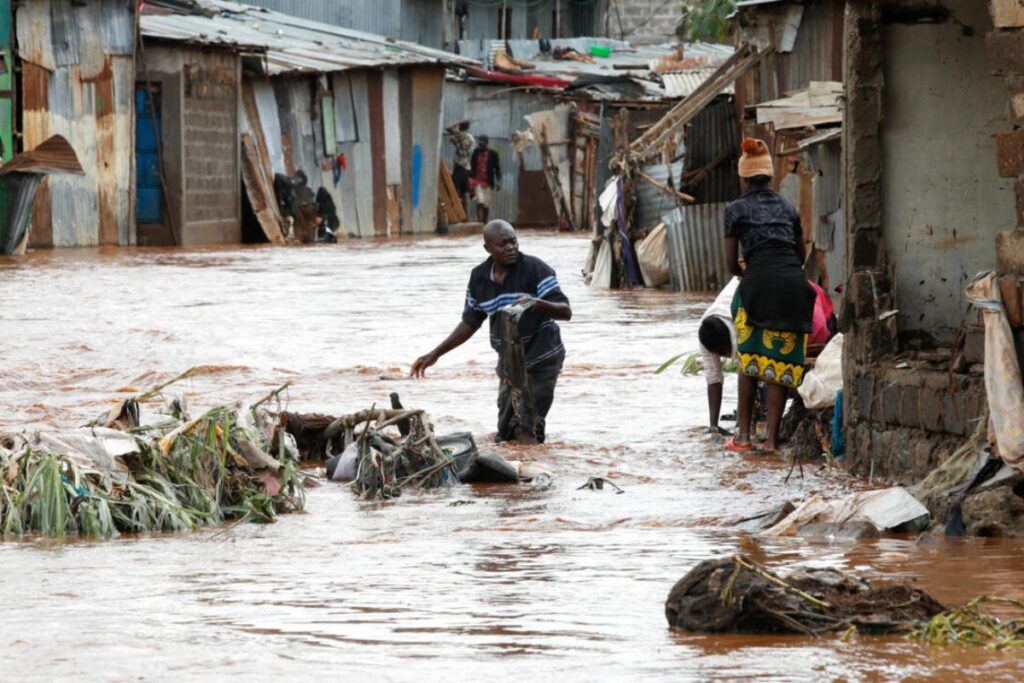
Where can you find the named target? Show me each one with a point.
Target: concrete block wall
(904, 422)
(902, 418)
(212, 187)
(643, 21)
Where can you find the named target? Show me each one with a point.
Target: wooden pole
(663, 187)
(504, 19)
(558, 18)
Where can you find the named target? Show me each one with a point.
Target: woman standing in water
(774, 304)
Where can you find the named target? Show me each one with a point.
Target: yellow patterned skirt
(768, 355)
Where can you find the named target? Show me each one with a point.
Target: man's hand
(419, 368)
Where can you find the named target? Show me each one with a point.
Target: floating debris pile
(382, 451)
(381, 463)
(177, 474)
(737, 595)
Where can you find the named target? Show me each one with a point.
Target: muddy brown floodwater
(475, 582)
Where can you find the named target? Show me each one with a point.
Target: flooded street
(479, 582)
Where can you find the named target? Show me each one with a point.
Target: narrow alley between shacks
(544, 579)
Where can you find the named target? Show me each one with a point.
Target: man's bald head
(497, 229)
(501, 243)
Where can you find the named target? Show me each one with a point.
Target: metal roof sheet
(625, 60)
(684, 83)
(290, 44)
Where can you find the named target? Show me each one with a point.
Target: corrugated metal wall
(421, 148)
(713, 131)
(829, 236)
(78, 80)
(496, 112)
(653, 203)
(418, 21)
(817, 54)
(483, 19)
(696, 248)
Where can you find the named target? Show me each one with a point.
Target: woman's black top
(761, 217)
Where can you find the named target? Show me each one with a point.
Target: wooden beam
(652, 141)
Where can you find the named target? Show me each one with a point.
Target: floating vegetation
(693, 364)
(178, 474)
(974, 624)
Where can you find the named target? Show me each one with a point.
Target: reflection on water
(522, 581)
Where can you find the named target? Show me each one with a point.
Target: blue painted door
(149, 200)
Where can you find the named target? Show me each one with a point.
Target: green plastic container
(600, 51)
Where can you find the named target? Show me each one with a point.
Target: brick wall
(1005, 45)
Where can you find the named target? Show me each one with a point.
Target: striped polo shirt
(530, 276)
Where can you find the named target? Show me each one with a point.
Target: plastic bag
(602, 275)
(1003, 386)
(820, 385)
(652, 253)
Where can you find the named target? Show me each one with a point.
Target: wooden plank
(448, 201)
(375, 100)
(651, 142)
(260, 191)
(798, 117)
(551, 172)
(394, 210)
(1007, 13)
(824, 93)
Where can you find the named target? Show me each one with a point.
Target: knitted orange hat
(755, 160)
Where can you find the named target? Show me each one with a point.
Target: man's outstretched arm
(459, 336)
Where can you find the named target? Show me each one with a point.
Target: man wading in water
(509, 277)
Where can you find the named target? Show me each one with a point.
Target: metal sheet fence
(696, 251)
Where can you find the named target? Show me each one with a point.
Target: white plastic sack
(347, 466)
(820, 385)
(1003, 386)
(602, 275)
(885, 509)
(652, 254)
(609, 202)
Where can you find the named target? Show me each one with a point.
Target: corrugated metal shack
(357, 114)
(439, 23)
(78, 80)
(591, 94)
(802, 54)
(497, 111)
(424, 22)
(681, 178)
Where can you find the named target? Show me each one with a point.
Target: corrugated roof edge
(339, 31)
(181, 26)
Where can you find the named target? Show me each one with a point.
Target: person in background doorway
(485, 178)
(458, 134)
(774, 304)
(507, 277)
